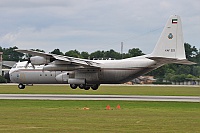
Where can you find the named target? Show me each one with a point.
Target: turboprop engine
(39, 60)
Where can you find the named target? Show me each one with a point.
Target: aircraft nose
(7, 76)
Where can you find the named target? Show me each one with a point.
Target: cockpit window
(14, 66)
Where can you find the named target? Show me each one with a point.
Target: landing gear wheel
(21, 86)
(95, 87)
(86, 87)
(81, 86)
(73, 86)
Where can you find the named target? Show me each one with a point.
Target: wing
(66, 59)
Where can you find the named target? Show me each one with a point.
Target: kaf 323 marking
(170, 50)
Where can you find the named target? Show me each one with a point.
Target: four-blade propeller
(29, 62)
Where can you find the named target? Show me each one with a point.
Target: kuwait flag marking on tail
(174, 21)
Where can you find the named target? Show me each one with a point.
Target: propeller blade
(26, 64)
(29, 61)
(33, 66)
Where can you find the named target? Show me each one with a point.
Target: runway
(100, 97)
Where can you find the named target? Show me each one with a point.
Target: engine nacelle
(39, 60)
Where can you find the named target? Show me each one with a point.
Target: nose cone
(7, 77)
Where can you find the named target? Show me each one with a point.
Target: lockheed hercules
(45, 68)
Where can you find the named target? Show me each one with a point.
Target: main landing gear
(85, 87)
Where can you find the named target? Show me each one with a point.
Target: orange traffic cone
(108, 107)
(118, 106)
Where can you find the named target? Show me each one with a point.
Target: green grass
(37, 116)
(109, 90)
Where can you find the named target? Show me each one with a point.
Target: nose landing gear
(21, 86)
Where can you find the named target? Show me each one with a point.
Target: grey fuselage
(108, 72)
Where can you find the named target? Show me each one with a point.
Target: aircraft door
(101, 75)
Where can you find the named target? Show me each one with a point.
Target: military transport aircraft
(45, 68)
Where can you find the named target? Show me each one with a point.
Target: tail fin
(170, 44)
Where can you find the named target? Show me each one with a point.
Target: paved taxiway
(100, 97)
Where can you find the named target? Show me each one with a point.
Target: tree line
(100, 54)
(169, 72)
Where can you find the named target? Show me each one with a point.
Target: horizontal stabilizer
(172, 60)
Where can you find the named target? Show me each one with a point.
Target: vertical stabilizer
(170, 43)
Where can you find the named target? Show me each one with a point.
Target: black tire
(21, 86)
(95, 87)
(86, 87)
(81, 86)
(73, 86)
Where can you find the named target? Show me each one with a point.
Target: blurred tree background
(169, 72)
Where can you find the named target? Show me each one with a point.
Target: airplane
(46, 68)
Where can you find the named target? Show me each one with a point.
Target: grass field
(104, 90)
(38, 116)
